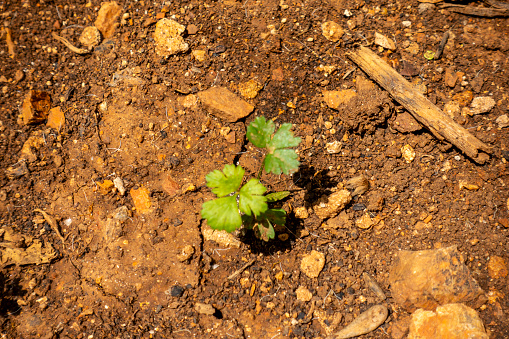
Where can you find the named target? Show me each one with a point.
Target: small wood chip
(69, 45)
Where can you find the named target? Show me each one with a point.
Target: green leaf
(248, 221)
(251, 200)
(222, 213)
(225, 182)
(283, 138)
(282, 160)
(276, 196)
(276, 216)
(265, 231)
(259, 131)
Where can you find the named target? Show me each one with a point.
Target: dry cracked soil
(119, 166)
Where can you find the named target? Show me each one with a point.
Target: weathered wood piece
(497, 4)
(476, 11)
(440, 124)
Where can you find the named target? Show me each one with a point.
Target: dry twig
(69, 45)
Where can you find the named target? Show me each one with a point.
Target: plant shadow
(314, 184)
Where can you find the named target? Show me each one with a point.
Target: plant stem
(260, 170)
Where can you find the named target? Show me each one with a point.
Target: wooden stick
(416, 103)
(240, 270)
(476, 11)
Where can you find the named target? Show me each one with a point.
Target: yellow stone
(141, 199)
(56, 118)
(250, 89)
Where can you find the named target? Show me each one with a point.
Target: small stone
(230, 137)
(497, 267)
(169, 185)
(224, 104)
(192, 29)
(188, 101)
(502, 121)
(312, 264)
(199, 55)
(35, 107)
(328, 207)
(176, 291)
(385, 42)
(168, 39)
(222, 237)
(364, 222)
(186, 253)
(481, 105)
(32, 144)
(56, 118)
(119, 185)
(424, 6)
(414, 49)
(105, 186)
(407, 23)
(107, 17)
(121, 214)
(366, 322)
(207, 309)
(301, 212)
(463, 98)
(452, 109)
(332, 31)
(250, 89)
(303, 294)
(477, 83)
(334, 99)
(450, 77)
(90, 37)
(405, 123)
(141, 199)
(428, 278)
(19, 75)
(408, 153)
(333, 147)
(450, 321)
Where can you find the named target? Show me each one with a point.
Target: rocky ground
(112, 114)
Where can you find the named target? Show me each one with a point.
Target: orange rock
(141, 199)
(56, 118)
(451, 321)
(105, 186)
(107, 17)
(464, 98)
(426, 279)
(334, 99)
(169, 185)
(35, 107)
(224, 104)
(497, 267)
(450, 77)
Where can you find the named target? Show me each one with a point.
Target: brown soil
(113, 279)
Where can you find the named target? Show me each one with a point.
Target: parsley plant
(238, 204)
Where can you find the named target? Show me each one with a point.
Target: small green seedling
(238, 204)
